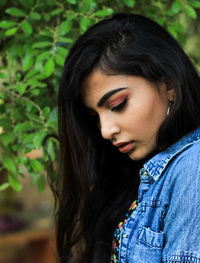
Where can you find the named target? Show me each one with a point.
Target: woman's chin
(140, 154)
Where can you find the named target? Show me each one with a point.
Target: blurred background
(35, 37)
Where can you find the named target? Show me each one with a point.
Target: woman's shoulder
(185, 167)
(184, 155)
(189, 156)
(183, 215)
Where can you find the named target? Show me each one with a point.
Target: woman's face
(129, 110)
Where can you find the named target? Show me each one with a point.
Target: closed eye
(120, 106)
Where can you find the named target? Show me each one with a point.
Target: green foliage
(35, 38)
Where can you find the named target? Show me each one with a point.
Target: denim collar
(157, 164)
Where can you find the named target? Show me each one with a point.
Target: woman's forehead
(98, 83)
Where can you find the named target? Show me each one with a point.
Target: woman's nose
(108, 128)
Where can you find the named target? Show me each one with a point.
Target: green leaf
(85, 23)
(194, 3)
(18, 76)
(7, 24)
(4, 186)
(47, 33)
(50, 150)
(49, 67)
(2, 75)
(4, 122)
(38, 138)
(23, 127)
(73, 2)
(151, 11)
(50, 3)
(7, 138)
(104, 12)
(9, 163)
(11, 31)
(39, 77)
(53, 119)
(191, 11)
(129, 3)
(35, 16)
(29, 106)
(36, 165)
(14, 183)
(25, 3)
(42, 44)
(172, 31)
(42, 56)
(160, 21)
(15, 12)
(35, 91)
(56, 11)
(21, 88)
(28, 138)
(64, 40)
(179, 28)
(30, 73)
(18, 113)
(23, 160)
(70, 15)
(62, 51)
(46, 17)
(36, 84)
(59, 60)
(176, 6)
(86, 5)
(27, 62)
(65, 27)
(27, 28)
(46, 111)
(34, 177)
(41, 183)
(44, 155)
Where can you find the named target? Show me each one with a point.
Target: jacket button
(145, 174)
(124, 235)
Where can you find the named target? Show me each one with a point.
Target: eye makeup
(108, 95)
(118, 103)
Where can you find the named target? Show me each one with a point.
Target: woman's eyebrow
(106, 96)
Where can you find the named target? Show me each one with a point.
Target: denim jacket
(165, 227)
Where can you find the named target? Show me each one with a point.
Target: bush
(35, 38)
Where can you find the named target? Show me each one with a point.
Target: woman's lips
(126, 147)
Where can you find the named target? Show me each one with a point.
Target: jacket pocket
(150, 238)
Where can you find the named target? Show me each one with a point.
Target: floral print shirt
(116, 238)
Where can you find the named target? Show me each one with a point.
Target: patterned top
(116, 238)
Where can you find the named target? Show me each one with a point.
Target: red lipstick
(125, 147)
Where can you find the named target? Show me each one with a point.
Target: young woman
(129, 118)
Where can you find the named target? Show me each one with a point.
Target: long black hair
(96, 183)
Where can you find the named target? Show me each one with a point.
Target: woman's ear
(170, 94)
(168, 90)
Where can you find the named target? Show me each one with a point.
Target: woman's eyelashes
(115, 105)
(118, 104)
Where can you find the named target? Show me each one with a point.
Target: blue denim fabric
(165, 227)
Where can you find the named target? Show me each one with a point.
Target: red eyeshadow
(117, 100)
